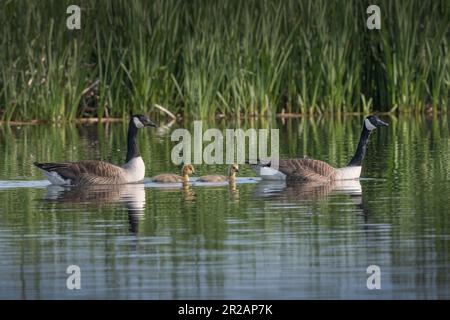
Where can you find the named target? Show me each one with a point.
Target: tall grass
(413, 55)
(203, 58)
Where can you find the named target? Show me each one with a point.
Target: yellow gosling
(188, 169)
(233, 169)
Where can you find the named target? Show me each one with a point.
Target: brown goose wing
(100, 168)
(75, 170)
(306, 169)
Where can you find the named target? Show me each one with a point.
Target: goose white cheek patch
(138, 123)
(369, 125)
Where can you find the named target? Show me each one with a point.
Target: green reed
(207, 58)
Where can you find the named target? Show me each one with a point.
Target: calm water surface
(259, 240)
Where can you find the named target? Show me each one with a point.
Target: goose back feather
(213, 178)
(167, 178)
(306, 169)
(187, 170)
(87, 172)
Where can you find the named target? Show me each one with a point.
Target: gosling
(234, 168)
(186, 171)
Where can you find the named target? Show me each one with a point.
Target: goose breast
(134, 170)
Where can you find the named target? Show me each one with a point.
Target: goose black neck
(132, 147)
(361, 149)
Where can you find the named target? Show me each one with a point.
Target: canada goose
(233, 169)
(94, 172)
(186, 171)
(307, 169)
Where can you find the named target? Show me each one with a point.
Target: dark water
(259, 240)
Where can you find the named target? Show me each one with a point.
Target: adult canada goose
(307, 169)
(94, 172)
(186, 171)
(233, 169)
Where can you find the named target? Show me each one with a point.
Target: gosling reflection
(131, 195)
(188, 192)
(234, 191)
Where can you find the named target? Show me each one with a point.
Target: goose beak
(382, 123)
(150, 123)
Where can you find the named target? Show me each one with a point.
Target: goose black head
(372, 122)
(141, 121)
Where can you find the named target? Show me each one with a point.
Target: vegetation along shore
(231, 58)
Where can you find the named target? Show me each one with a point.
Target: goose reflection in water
(132, 196)
(188, 193)
(309, 192)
